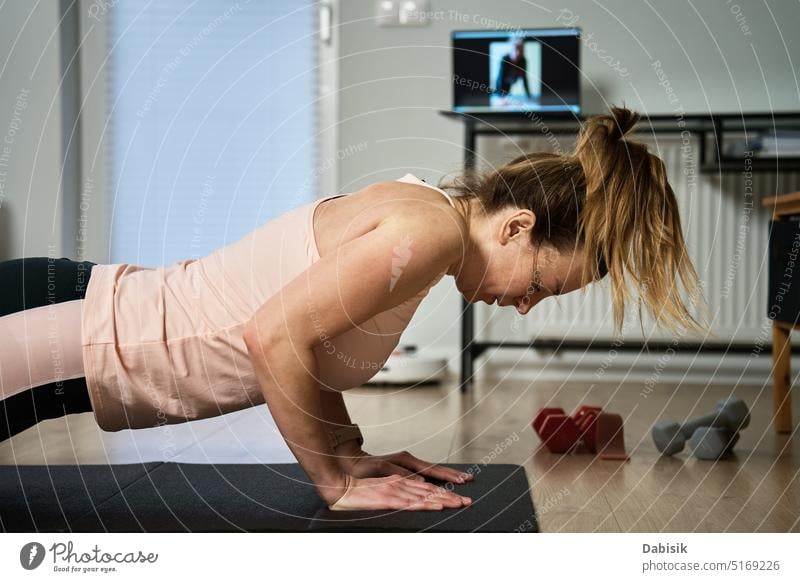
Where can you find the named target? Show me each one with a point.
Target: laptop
(519, 70)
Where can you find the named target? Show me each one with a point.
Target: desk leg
(467, 313)
(781, 378)
(467, 335)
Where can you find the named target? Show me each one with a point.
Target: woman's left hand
(361, 464)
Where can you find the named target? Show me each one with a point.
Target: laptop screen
(526, 70)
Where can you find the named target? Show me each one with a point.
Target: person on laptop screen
(513, 67)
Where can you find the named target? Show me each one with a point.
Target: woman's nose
(524, 305)
(527, 302)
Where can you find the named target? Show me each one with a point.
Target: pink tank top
(164, 345)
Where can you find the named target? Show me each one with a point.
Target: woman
(313, 302)
(513, 67)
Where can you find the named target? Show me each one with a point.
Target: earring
(536, 279)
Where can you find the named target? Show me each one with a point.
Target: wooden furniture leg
(781, 378)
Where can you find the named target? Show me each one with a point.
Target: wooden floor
(757, 490)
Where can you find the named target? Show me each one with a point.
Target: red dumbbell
(610, 437)
(540, 417)
(601, 432)
(563, 432)
(586, 419)
(558, 432)
(584, 410)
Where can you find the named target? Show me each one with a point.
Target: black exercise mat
(189, 497)
(48, 498)
(501, 502)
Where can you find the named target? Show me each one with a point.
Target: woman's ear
(518, 222)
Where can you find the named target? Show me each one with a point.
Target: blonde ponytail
(631, 219)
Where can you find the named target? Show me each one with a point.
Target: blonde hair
(609, 199)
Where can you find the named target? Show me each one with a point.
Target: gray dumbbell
(731, 414)
(709, 443)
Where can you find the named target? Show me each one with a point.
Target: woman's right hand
(395, 492)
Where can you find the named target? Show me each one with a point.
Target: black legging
(36, 282)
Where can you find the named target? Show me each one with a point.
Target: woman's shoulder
(418, 202)
(425, 214)
(416, 197)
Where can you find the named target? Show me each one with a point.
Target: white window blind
(212, 122)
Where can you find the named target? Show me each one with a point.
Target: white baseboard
(730, 369)
(602, 366)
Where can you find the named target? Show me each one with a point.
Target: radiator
(726, 230)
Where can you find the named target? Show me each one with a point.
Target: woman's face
(501, 264)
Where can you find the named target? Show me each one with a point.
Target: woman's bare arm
(287, 375)
(335, 415)
(338, 292)
(334, 410)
